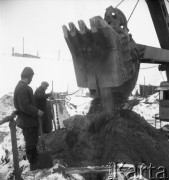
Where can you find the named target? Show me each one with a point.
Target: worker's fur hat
(27, 72)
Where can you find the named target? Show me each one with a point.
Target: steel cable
(119, 4)
(133, 11)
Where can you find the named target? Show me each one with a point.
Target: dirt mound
(101, 139)
(129, 138)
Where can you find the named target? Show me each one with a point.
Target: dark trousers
(47, 118)
(46, 123)
(31, 140)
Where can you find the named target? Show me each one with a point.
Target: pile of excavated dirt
(94, 140)
(100, 139)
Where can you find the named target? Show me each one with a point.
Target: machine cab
(164, 101)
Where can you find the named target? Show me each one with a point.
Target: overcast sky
(40, 23)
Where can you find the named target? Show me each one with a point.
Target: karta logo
(120, 171)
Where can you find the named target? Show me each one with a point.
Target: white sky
(40, 23)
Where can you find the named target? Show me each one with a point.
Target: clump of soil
(102, 138)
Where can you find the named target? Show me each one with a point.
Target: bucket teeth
(97, 22)
(93, 25)
(82, 27)
(73, 29)
(103, 23)
(65, 31)
(99, 36)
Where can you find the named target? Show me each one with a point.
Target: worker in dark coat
(28, 114)
(43, 104)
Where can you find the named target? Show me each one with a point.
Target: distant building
(146, 90)
(24, 55)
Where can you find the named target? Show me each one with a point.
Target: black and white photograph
(84, 89)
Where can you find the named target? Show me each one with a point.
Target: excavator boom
(159, 15)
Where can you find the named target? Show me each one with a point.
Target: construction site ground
(86, 144)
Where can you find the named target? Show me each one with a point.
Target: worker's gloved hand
(40, 113)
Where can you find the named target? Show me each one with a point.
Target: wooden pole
(23, 46)
(144, 87)
(17, 172)
(57, 115)
(59, 55)
(13, 51)
(41, 135)
(52, 108)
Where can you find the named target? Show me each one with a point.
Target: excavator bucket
(104, 56)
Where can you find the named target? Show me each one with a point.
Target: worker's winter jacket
(25, 104)
(43, 104)
(40, 98)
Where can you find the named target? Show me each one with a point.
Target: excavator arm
(160, 18)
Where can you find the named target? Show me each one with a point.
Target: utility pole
(13, 51)
(23, 45)
(144, 87)
(53, 108)
(59, 55)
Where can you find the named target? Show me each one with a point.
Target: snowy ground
(63, 76)
(146, 108)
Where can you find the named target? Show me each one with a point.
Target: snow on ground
(148, 107)
(78, 105)
(81, 103)
(63, 76)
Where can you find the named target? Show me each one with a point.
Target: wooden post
(144, 87)
(13, 51)
(57, 115)
(17, 172)
(59, 55)
(52, 108)
(23, 46)
(41, 134)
